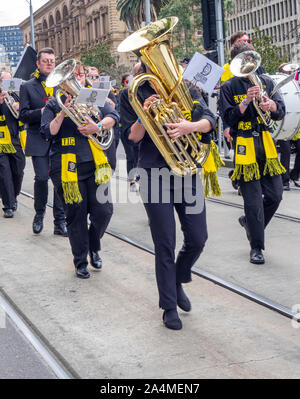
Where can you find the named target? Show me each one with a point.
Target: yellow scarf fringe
(71, 192)
(103, 173)
(210, 167)
(273, 167)
(249, 172)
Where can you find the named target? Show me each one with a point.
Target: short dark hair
(124, 77)
(47, 50)
(236, 35)
(239, 48)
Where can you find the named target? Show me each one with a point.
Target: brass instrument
(244, 65)
(63, 76)
(9, 101)
(153, 46)
(290, 68)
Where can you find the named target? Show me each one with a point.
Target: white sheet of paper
(104, 78)
(101, 85)
(113, 82)
(92, 96)
(202, 72)
(11, 84)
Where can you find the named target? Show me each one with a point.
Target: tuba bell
(244, 65)
(153, 46)
(63, 77)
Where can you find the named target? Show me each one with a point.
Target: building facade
(11, 45)
(279, 19)
(71, 27)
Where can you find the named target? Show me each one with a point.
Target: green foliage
(100, 57)
(228, 6)
(269, 52)
(190, 20)
(132, 12)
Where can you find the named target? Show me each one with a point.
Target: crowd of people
(61, 150)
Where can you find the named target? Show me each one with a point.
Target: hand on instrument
(2, 96)
(252, 92)
(179, 128)
(89, 129)
(227, 135)
(16, 106)
(266, 104)
(149, 101)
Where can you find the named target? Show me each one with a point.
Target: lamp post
(31, 23)
(147, 12)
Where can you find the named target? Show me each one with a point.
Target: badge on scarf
(72, 166)
(241, 150)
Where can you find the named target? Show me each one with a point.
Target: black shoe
(171, 319)
(61, 229)
(82, 272)
(286, 187)
(37, 225)
(182, 300)
(8, 213)
(256, 256)
(15, 207)
(96, 261)
(297, 184)
(243, 223)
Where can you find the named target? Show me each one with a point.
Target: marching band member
(77, 167)
(170, 273)
(33, 98)
(12, 159)
(285, 153)
(256, 163)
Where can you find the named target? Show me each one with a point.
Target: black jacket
(32, 99)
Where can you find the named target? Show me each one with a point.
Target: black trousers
(285, 156)
(11, 177)
(295, 173)
(41, 170)
(132, 153)
(261, 200)
(192, 216)
(84, 238)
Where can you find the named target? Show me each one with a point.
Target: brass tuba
(244, 65)
(63, 76)
(153, 46)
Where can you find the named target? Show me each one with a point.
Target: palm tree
(132, 12)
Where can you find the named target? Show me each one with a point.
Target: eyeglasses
(81, 75)
(48, 62)
(245, 40)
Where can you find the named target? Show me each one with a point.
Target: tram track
(244, 292)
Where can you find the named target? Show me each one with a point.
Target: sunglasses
(245, 40)
(94, 77)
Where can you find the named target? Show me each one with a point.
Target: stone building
(279, 19)
(72, 27)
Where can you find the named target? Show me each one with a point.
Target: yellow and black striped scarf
(69, 177)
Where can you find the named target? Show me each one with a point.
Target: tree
(100, 57)
(132, 12)
(190, 20)
(270, 53)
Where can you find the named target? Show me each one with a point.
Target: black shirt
(149, 155)
(68, 128)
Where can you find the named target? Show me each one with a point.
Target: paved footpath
(109, 326)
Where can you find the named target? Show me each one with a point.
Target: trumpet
(244, 65)
(63, 77)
